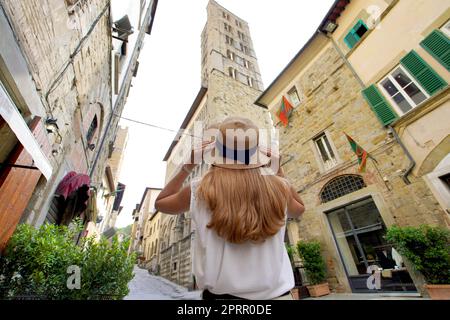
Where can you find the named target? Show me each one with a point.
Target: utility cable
(179, 132)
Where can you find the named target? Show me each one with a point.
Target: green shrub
(290, 251)
(36, 261)
(427, 248)
(313, 262)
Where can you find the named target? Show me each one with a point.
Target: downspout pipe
(391, 130)
(412, 162)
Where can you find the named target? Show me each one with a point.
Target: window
(239, 60)
(174, 266)
(230, 55)
(227, 27)
(446, 28)
(247, 64)
(241, 35)
(250, 82)
(232, 73)
(293, 96)
(340, 186)
(238, 23)
(91, 130)
(229, 40)
(355, 34)
(404, 92)
(225, 15)
(325, 151)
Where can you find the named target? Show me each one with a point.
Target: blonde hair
(245, 205)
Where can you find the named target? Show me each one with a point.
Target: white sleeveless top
(254, 271)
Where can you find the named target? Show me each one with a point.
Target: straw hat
(236, 145)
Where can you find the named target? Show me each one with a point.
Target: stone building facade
(58, 102)
(146, 237)
(329, 82)
(231, 82)
(113, 194)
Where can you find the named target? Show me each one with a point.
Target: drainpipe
(412, 163)
(342, 55)
(391, 130)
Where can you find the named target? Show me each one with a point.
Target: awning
(72, 182)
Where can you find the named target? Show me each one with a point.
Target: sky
(168, 78)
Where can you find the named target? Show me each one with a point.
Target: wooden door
(17, 184)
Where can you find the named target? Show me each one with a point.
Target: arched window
(340, 186)
(91, 130)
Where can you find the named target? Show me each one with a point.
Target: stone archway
(435, 157)
(340, 186)
(438, 181)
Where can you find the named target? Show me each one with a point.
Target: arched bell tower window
(91, 130)
(340, 186)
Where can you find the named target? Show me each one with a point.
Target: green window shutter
(423, 73)
(438, 45)
(379, 105)
(351, 39)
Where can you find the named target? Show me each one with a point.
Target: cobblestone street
(145, 286)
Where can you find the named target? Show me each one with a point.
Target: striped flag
(360, 153)
(285, 111)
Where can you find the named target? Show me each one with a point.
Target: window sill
(422, 109)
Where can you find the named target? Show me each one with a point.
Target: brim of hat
(261, 160)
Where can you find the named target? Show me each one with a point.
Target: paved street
(145, 286)
(369, 296)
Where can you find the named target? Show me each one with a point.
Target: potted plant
(428, 250)
(310, 253)
(290, 251)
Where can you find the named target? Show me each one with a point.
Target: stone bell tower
(230, 69)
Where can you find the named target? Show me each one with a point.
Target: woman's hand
(274, 157)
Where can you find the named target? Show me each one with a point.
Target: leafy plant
(310, 253)
(36, 261)
(427, 248)
(291, 252)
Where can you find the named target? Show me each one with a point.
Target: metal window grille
(341, 186)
